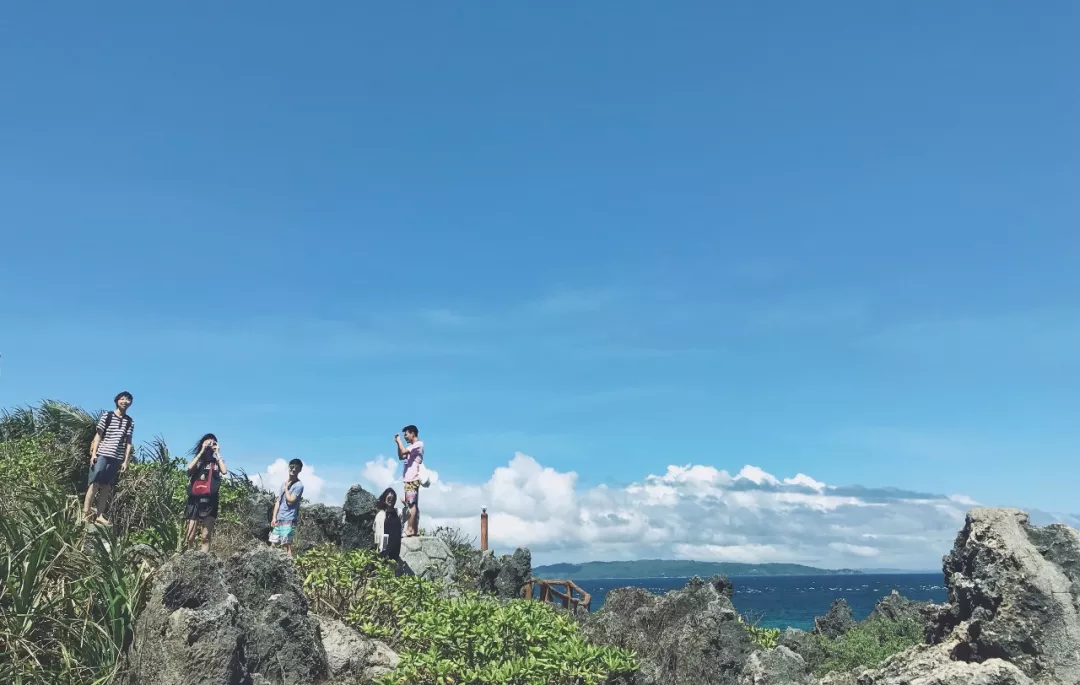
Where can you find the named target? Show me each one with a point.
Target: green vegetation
(464, 639)
(865, 646)
(69, 593)
(675, 568)
(763, 638)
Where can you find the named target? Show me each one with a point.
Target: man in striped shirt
(109, 454)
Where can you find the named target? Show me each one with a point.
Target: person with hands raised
(204, 482)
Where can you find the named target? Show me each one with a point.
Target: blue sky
(838, 240)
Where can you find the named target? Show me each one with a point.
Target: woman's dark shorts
(201, 508)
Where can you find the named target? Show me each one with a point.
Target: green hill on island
(675, 568)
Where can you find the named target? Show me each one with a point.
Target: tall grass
(68, 594)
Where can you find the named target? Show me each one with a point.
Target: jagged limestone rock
(690, 636)
(428, 557)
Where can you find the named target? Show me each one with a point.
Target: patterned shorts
(412, 493)
(282, 534)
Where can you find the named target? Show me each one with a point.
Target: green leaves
(470, 638)
(67, 601)
(765, 638)
(867, 645)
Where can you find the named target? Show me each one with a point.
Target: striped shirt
(117, 437)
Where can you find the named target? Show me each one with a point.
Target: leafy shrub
(866, 645)
(467, 639)
(763, 638)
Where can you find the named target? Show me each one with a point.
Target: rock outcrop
(1013, 616)
(246, 621)
(896, 607)
(687, 636)
(777, 666)
(835, 623)
(319, 524)
(504, 576)
(428, 557)
(191, 617)
(359, 516)
(351, 657)
(283, 641)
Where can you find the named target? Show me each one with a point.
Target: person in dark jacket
(388, 526)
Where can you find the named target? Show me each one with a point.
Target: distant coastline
(674, 568)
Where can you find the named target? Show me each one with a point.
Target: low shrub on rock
(470, 638)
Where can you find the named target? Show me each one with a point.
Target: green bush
(865, 646)
(764, 638)
(466, 639)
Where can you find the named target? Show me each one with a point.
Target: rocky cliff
(1013, 618)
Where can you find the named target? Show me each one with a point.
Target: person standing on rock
(204, 484)
(287, 509)
(388, 526)
(412, 453)
(110, 452)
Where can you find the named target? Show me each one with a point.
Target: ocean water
(782, 601)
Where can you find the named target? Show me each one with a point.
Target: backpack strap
(108, 422)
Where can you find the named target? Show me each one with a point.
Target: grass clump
(69, 594)
(465, 639)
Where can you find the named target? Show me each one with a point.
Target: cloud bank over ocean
(691, 511)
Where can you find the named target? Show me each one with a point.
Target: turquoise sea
(782, 601)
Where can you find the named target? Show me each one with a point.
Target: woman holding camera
(204, 481)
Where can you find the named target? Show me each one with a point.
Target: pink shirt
(414, 457)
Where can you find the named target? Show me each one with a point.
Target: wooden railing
(550, 592)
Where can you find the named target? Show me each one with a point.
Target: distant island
(674, 568)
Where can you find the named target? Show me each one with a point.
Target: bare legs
(102, 493)
(207, 532)
(413, 526)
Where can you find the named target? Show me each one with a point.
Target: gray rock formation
(190, 617)
(1014, 594)
(1013, 616)
(283, 642)
(428, 557)
(255, 514)
(319, 524)
(206, 623)
(896, 607)
(687, 636)
(359, 511)
(778, 666)
(504, 576)
(351, 657)
(835, 623)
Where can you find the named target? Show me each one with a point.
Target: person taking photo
(204, 483)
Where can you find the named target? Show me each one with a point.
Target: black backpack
(392, 531)
(123, 428)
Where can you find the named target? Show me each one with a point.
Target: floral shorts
(282, 534)
(412, 493)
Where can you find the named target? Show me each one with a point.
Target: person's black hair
(124, 393)
(296, 462)
(197, 449)
(410, 429)
(381, 504)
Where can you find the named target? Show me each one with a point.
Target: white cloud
(278, 472)
(691, 511)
